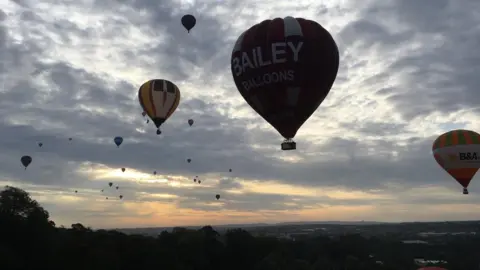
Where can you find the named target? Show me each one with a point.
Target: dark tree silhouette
(29, 240)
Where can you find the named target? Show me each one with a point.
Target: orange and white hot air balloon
(458, 153)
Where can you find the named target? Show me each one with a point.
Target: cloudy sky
(408, 72)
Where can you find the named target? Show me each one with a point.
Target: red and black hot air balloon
(284, 68)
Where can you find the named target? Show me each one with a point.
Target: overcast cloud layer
(408, 72)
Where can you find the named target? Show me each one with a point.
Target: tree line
(30, 240)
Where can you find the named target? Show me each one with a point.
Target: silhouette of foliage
(29, 240)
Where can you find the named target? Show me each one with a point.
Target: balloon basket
(465, 191)
(289, 145)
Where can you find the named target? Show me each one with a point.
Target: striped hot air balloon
(458, 153)
(159, 99)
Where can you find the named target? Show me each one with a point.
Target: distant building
(415, 242)
(423, 262)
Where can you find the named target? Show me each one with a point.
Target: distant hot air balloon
(70, 139)
(458, 153)
(26, 160)
(189, 160)
(123, 169)
(217, 196)
(188, 21)
(121, 197)
(118, 141)
(284, 69)
(230, 170)
(40, 144)
(159, 99)
(116, 187)
(102, 190)
(110, 184)
(190, 122)
(76, 191)
(195, 180)
(199, 181)
(106, 198)
(154, 172)
(144, 114)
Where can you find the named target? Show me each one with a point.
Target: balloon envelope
(188, 21)
(26, 160)
(190, 122)
(159, 99)
(284, 69)
(217, 196)
(118, 140)
(458, 153)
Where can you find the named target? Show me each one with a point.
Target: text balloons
(284, 69)
(458, 153)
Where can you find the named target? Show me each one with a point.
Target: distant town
(408, 232)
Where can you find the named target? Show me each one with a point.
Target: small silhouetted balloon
(26, 160)
(40, 144)
(118, 141)
(188, 21)
(217, 196)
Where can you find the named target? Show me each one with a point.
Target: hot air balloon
(217, 196)
(40, 144)
(159, 99)
(458, 153)
(118, 141)
(70, 139)
(106, 198)
(26, 160)
(76, 191)
(188, 21)
(110, 184)
(102, 190)
(154, 172)
(190, 122)
(189, 160)
(123, 169)
(144, 114)
(230, 170)
(284, 69)
(116, 187)
(121, 197)
(199, 181)
(195, 180)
